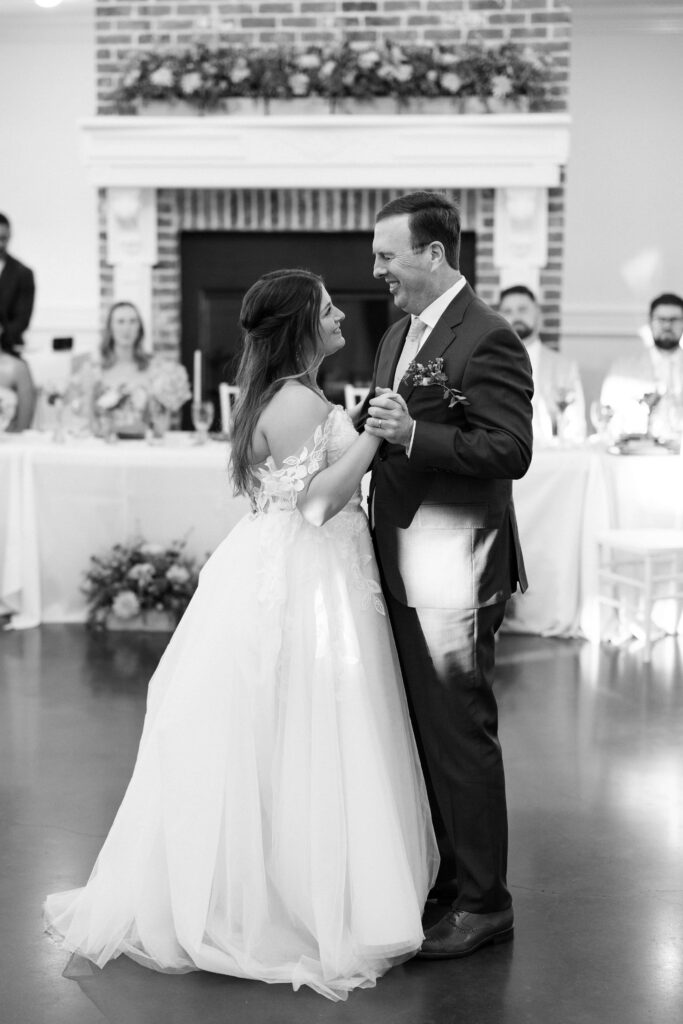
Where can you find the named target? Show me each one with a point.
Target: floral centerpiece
(119, 408)
(169, 384)
(169, 389)
(164, 389)
(209, 77)
(137, 578)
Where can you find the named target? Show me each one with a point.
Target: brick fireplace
(161, 176)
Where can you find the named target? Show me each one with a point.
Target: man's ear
(437, 254)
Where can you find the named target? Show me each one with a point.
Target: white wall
(47, 83)
(624, 228)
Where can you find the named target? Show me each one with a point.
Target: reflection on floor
(593, 745)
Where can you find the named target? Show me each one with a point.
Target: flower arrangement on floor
(207, 77)
(138, 577)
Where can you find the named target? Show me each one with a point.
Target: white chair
(227, 396)
(353, 396)
(636, 569)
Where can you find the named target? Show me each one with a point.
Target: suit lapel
(443, 334)
(391, 350)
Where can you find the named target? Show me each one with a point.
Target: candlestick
(197, 382)
(224, 399)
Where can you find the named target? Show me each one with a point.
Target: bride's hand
(388, 417)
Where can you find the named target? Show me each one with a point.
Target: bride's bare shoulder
(294, 402)
(291, 418)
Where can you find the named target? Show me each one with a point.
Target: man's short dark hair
(433, 217)
(517, 289)
(4, 220)
(666, 299)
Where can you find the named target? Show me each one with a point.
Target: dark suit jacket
(444, 518)
(17, 292)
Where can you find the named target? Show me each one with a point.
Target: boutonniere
(422, 376)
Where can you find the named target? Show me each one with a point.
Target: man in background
(651, 379)
(17, 291)
(558, 391)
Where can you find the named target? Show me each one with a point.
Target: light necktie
(411, 347)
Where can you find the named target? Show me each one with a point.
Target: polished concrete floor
(594, 753)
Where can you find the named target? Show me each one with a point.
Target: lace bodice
(279, 488)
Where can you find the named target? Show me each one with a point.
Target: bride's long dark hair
(280, 320)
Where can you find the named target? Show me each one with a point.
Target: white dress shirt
(429, 316)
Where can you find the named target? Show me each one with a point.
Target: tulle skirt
(276, 825)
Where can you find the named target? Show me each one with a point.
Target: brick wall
(141, 24)
(122, 28)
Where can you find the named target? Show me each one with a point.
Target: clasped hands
(388, 417)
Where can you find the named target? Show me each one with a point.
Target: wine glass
(601, 416)
(563, 397)
(202, 418)
(650, 400)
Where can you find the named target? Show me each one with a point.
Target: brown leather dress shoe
(460, 933)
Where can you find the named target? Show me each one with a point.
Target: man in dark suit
(457, 433)
(17, 291)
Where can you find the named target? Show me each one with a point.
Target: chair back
(353, 396)
(227, 396)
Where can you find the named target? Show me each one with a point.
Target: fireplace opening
(217, 267)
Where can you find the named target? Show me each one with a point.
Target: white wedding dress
(276, 825)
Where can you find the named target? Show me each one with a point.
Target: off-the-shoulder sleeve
(299, 469)
(287, 484)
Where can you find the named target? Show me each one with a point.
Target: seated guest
(557, 382)
(17, 393)
(17, 292)
(656, 370)
(123, 383)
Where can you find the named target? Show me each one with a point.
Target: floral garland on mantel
(208, 79)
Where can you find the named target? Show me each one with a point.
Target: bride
(276, 825)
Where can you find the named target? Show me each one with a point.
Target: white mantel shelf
(336, 151)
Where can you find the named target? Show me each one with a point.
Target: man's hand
(388, 417)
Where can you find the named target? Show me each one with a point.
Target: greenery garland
(206, 77)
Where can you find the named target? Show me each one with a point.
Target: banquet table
(62, 503)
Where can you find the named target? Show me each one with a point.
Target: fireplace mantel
(520, 156)
(342, 151)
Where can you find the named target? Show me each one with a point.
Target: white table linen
(62, 503)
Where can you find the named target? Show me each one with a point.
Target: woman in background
(17, 393)
(123, 376)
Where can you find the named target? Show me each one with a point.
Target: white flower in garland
(501, 86)
(162, 78)
(299, 83)
(308, 61)
(368, 59)
(451, 82)
(191, 83)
